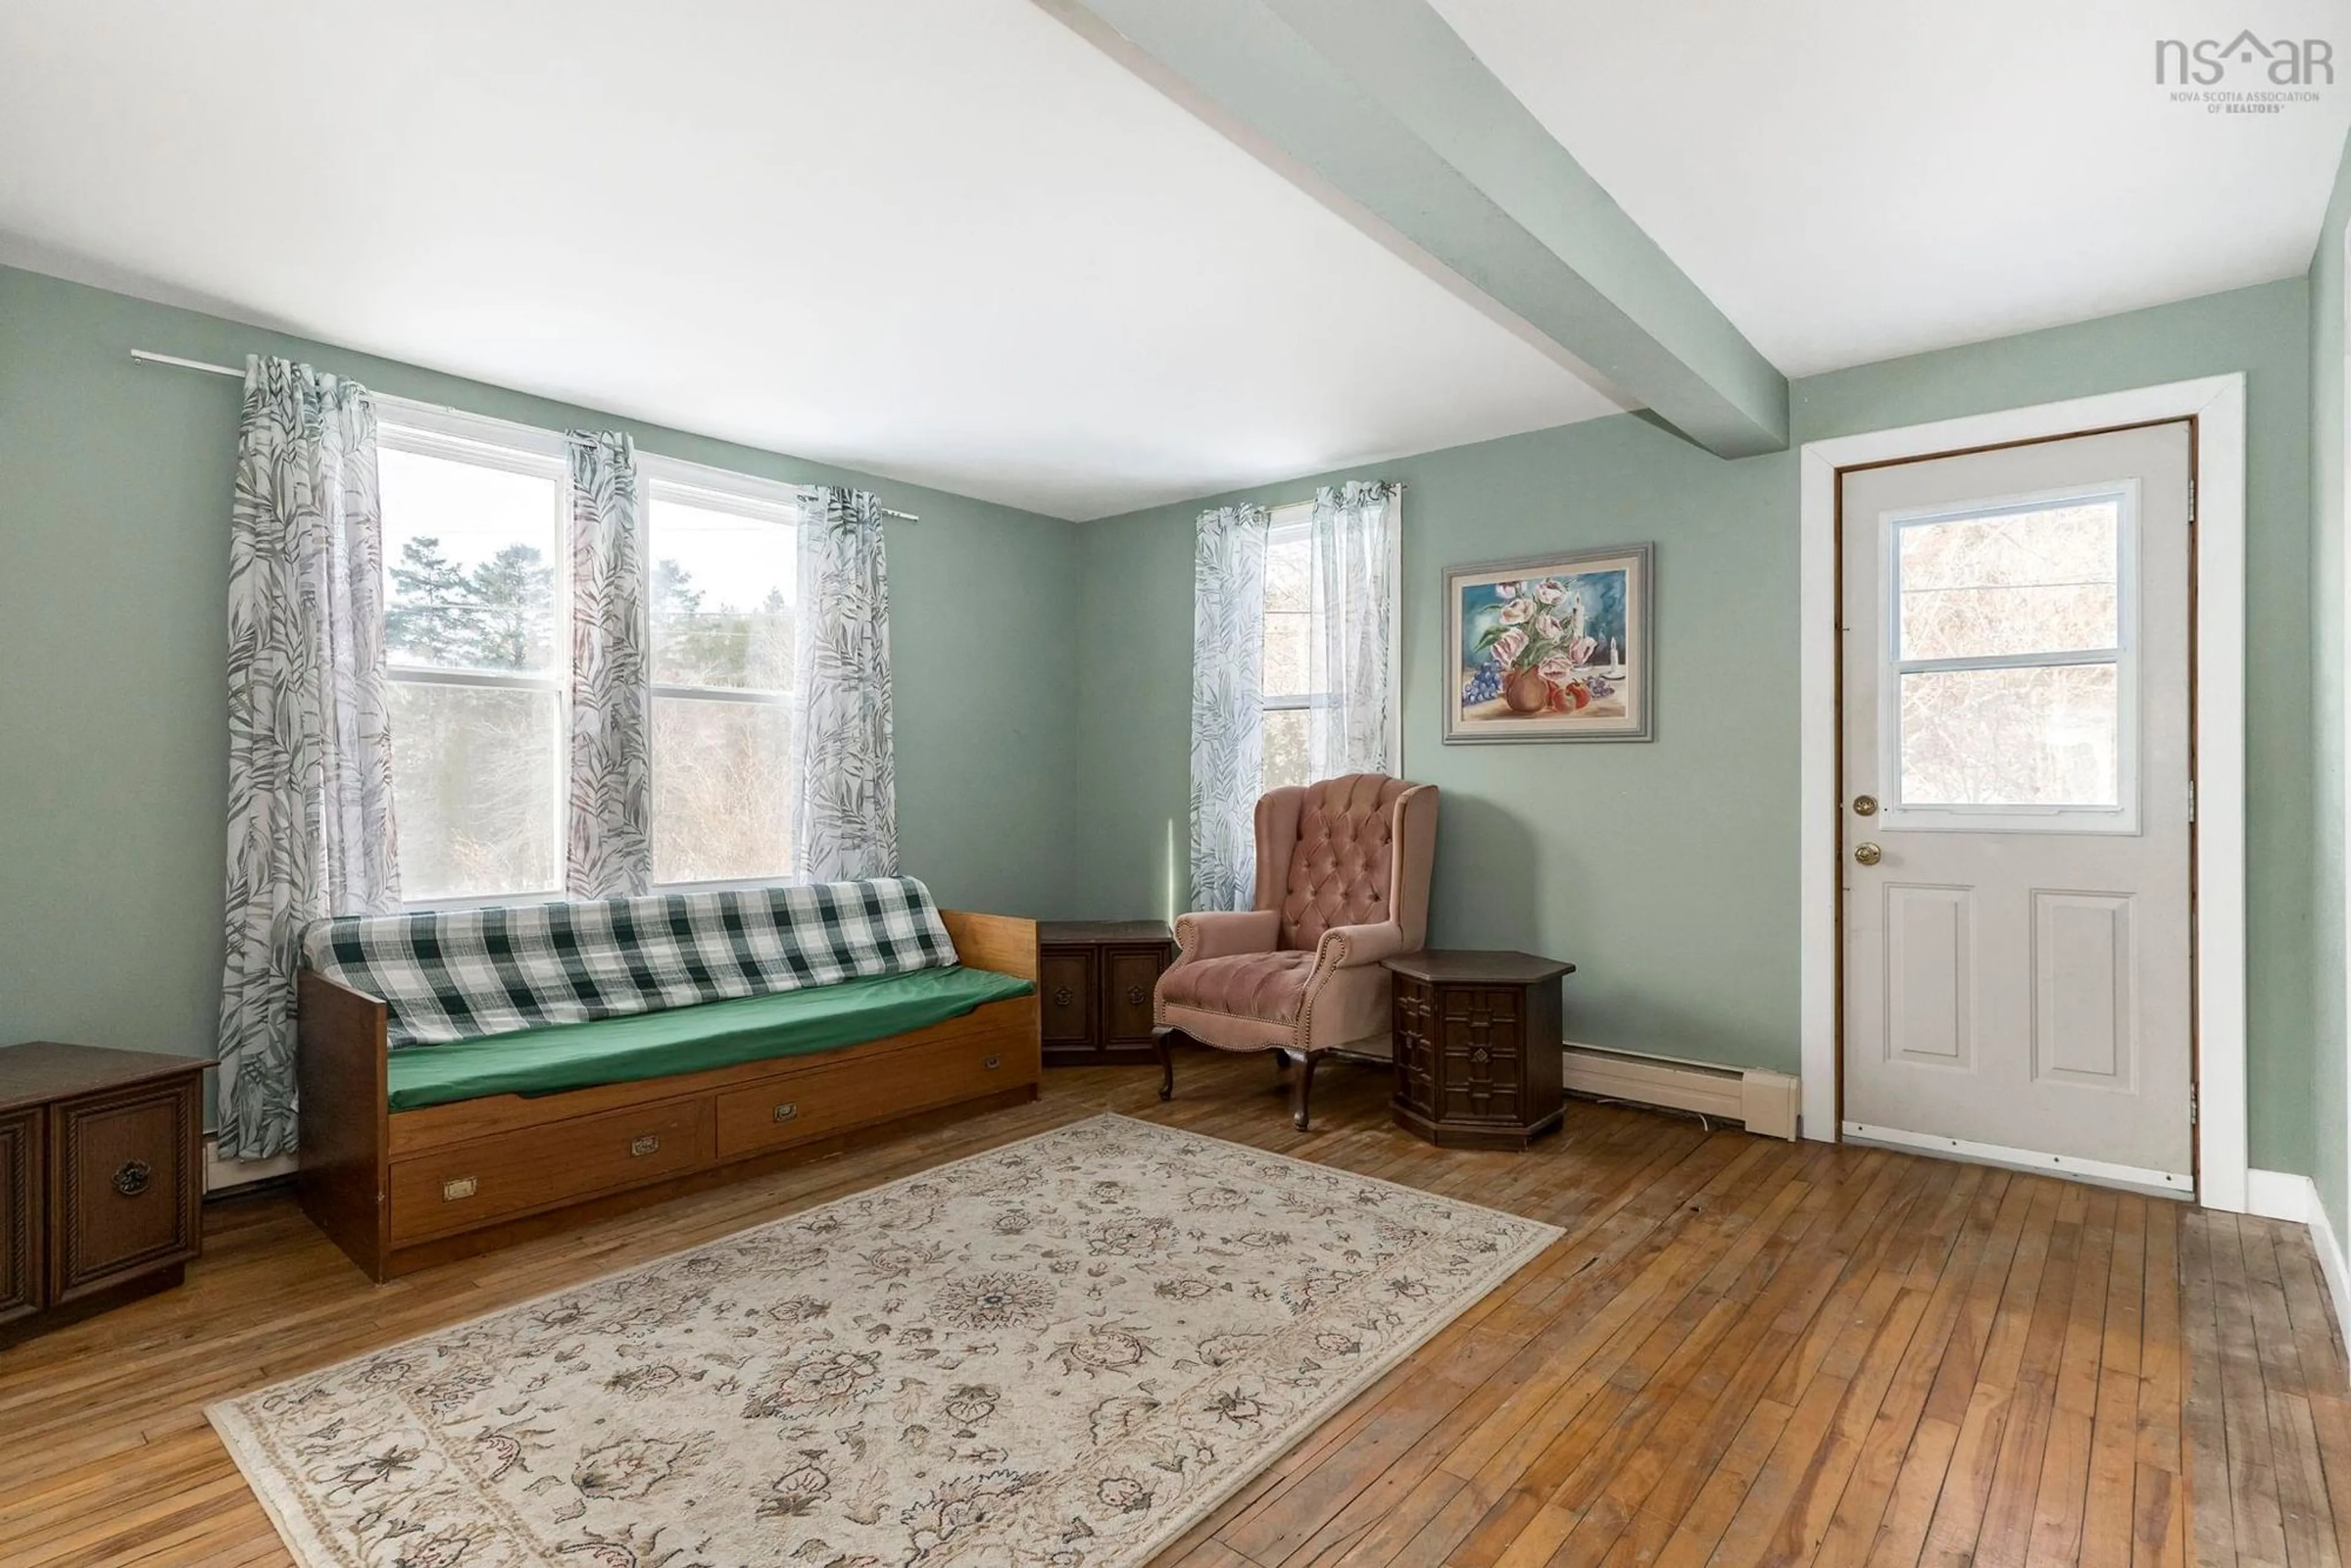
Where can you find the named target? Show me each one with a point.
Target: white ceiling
(1850, 179)
(948, 241)
(942, 240)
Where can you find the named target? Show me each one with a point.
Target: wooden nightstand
(1478, 1053)
(1094, 988)
(101, 1171)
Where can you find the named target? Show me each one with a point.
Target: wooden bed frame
(401, 1192)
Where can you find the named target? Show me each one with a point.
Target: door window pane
(2044, 735)
(473, 776)
(2039, 581)
(722, 805)
(469, 564)
(721, 602)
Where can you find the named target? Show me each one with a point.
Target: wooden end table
(1478, 1050)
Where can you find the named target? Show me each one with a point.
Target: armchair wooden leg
(1304, 1090)
(1159, 1039)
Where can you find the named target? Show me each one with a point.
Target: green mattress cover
(692, 1039)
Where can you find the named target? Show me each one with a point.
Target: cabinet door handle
(1134, 995)
(786, 1111)
(990, 1063)
(132, 1177)
(648, 1144)
(1063, 997)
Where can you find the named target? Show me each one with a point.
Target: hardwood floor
(1742, 1353)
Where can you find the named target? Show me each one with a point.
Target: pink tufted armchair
(1342, 871)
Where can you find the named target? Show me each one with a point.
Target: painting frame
(1622, 660)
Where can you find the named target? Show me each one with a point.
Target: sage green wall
(1668, 870)
(114, 499)
(2331, 1155)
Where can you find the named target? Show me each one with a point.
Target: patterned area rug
(1061, 1353)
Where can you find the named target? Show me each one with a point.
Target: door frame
(2217, 406)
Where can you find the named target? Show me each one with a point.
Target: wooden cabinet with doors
(101, 1171)
(1095, 988)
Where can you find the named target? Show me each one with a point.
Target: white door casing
(2217, 405)
(2017, 767)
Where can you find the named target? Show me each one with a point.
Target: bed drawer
(520, 1173)
(793, 1107)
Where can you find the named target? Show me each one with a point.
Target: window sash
(720, 695)
(496, 680)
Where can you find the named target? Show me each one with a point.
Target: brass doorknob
(1865, 805)
(1868, 854)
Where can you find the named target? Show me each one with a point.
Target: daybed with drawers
(472, 1076)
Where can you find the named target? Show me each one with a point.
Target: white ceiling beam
(1379, 110)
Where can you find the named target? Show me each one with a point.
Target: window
(476, 531)
(1288, 678)
(2011, 662)
(473, 560)
(724, 575)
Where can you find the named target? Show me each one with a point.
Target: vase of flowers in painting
(1540, 647)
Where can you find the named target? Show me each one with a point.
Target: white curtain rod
(149, 357)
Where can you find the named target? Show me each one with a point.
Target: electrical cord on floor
(1703, 1119)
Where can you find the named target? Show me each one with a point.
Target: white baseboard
(227, 1175)
(2281, 1195)
(1765, 1102)
(2329, 1248)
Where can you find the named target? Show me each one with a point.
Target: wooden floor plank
(2108, 1509)
(2251, 1463)
(1741, 1352)
(2213, 1533)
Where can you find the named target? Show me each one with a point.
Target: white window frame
(453, 436)
(742, 496)
(2121, 819)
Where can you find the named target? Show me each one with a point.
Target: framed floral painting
(1555, 648)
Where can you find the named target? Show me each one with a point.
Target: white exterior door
(2018, 923)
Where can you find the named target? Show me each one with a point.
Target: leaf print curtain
(1351, 651)
(607, 831)
(844, 804)
(1228, 723)
(310, 828)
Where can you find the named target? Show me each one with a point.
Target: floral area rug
(1061, 1353)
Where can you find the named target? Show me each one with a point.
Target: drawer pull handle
(1134, 996)
(990, 1063)
(1063, 997)
(464, 1187)
(786, 1111)
(648, 1144)
(131, 1179)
